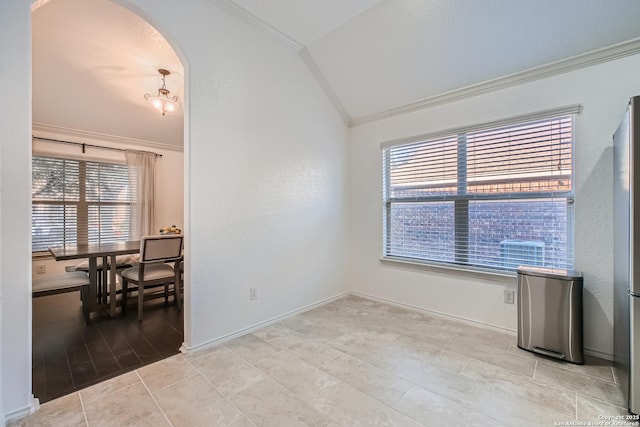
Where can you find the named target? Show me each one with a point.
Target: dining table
(108, 251)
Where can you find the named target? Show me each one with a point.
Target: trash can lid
(552, 273)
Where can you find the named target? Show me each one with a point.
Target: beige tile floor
(353, 362)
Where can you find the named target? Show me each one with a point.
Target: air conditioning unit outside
(521, 252)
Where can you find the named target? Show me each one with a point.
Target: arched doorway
(106, 60)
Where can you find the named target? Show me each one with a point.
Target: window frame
(82, 205)
(461, 201)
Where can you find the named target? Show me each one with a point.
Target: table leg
(112, 286)
(103, 281)
(93, 288)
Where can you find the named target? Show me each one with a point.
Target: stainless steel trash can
(550, 312)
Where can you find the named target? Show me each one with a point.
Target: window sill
(442, 266)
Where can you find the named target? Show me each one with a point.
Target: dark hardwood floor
(69, 355)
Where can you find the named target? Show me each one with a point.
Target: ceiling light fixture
(162, 102)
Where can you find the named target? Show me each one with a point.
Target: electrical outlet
(41, 269)
(508, 296)
(253, 294)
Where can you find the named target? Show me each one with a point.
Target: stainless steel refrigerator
(626, 305)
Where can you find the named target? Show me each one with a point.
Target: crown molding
(324, 85)
(42, 129)
(251, 19)
(588, 59)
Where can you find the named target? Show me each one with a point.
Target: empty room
(364, 212)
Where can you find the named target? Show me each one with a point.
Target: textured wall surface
(265, 158)
(265, 180)
(603, 91)
(274, 189)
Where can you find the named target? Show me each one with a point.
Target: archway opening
(93, 62)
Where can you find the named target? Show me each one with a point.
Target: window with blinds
(76, 202)
(490, 198)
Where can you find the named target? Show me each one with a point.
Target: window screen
(491, 198)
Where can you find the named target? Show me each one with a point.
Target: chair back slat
(160, 248)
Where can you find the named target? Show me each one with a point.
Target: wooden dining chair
(153, 270)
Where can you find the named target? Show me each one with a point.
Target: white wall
(265, 172)
(169, 178)
(15, 172)
(603, 91)
(266, 161)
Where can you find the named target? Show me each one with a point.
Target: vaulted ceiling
(93, 61)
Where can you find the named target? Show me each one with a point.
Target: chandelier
(162, 102)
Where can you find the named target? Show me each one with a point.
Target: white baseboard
(588, 351)
(437, 314)
(22, 412)
(598, 353)
(433, 313)
(217, 341)
(35, 403)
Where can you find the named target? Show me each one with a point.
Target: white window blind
(77, 202)
(492, 198)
